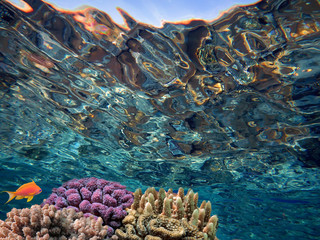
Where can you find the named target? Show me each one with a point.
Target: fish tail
(11, 196)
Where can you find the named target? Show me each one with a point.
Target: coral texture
(166, 215)
(93, 196)
(43, 223)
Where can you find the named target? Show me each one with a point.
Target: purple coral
(94, 197)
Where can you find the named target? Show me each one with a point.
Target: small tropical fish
(27, 190)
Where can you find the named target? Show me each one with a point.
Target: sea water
(228, 107)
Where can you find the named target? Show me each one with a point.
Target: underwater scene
(198, 129)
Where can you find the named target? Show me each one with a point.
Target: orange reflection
(22, 5)
(89, 22)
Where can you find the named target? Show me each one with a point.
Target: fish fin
(11, 195)
(29, 198)
(19, 197)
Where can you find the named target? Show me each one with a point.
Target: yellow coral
(166, 227)
(166, 215)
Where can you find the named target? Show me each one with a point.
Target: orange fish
(27, 190)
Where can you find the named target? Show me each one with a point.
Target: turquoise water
(229, 108)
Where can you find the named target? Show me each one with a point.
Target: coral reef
(94, 197)
(166, 215)
(43, 223)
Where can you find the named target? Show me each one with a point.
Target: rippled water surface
(229, 107)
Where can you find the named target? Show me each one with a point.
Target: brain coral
(166, 215)
(93, 196)
(44, 223)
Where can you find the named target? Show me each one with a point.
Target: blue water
(229, 108)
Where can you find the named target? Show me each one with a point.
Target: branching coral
(166, 215)
(94, 196)
(43, 223)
